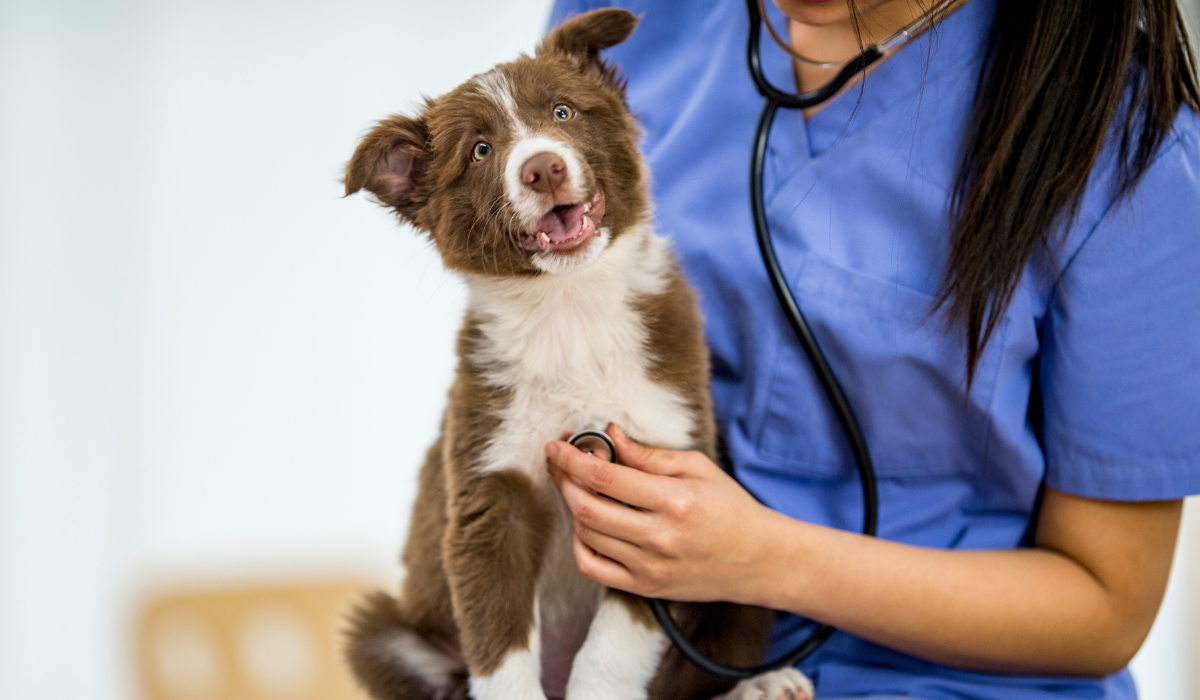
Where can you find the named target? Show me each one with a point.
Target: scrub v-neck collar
(956, 40)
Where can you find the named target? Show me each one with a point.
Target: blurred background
(216, 377)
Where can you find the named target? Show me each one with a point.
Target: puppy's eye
(482, 150)
(563, 113)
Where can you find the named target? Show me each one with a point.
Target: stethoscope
(599, 444)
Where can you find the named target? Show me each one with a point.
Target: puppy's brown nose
(544, 172)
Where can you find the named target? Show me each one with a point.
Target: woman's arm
(1078, 603)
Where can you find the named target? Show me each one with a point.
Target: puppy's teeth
(544, 238)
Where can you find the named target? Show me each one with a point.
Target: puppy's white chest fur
(571, 352)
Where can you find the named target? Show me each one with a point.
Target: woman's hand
(662, 523)
(1079, 602)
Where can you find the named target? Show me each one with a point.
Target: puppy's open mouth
(565, 227)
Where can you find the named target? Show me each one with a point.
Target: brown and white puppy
(528, 180)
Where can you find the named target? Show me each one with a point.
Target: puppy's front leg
(494, 546)
(621, 654)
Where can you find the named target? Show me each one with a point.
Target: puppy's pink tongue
(561, 223)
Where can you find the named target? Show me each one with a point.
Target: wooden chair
(255, 643)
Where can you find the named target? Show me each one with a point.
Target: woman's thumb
(639, 456)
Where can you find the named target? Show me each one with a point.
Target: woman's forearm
(1014, 610)
(1034, 610)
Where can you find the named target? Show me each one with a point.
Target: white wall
(210, 364)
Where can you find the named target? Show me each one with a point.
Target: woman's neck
(836, 42)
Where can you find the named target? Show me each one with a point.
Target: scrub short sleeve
(1120, 365)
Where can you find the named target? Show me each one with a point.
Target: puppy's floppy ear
(583, 36)
(390, 162)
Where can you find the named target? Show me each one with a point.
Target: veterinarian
(995, 235)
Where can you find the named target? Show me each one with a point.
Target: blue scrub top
(857, 202)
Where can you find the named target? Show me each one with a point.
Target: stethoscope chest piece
(595, 443)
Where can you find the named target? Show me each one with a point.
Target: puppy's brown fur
(485, 546)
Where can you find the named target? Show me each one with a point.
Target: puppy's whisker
(494, 213)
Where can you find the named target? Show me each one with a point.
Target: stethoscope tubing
(792, 100)
(773, 99)
(820, 363)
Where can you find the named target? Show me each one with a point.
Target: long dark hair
(1061, 79)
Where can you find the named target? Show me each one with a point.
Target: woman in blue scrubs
(1030, 479)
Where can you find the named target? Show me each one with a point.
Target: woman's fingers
(613, 480)
(603, 514)
(620, 551)
(639, 571)
(599, 568)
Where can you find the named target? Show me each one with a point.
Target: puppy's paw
(784, 684)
